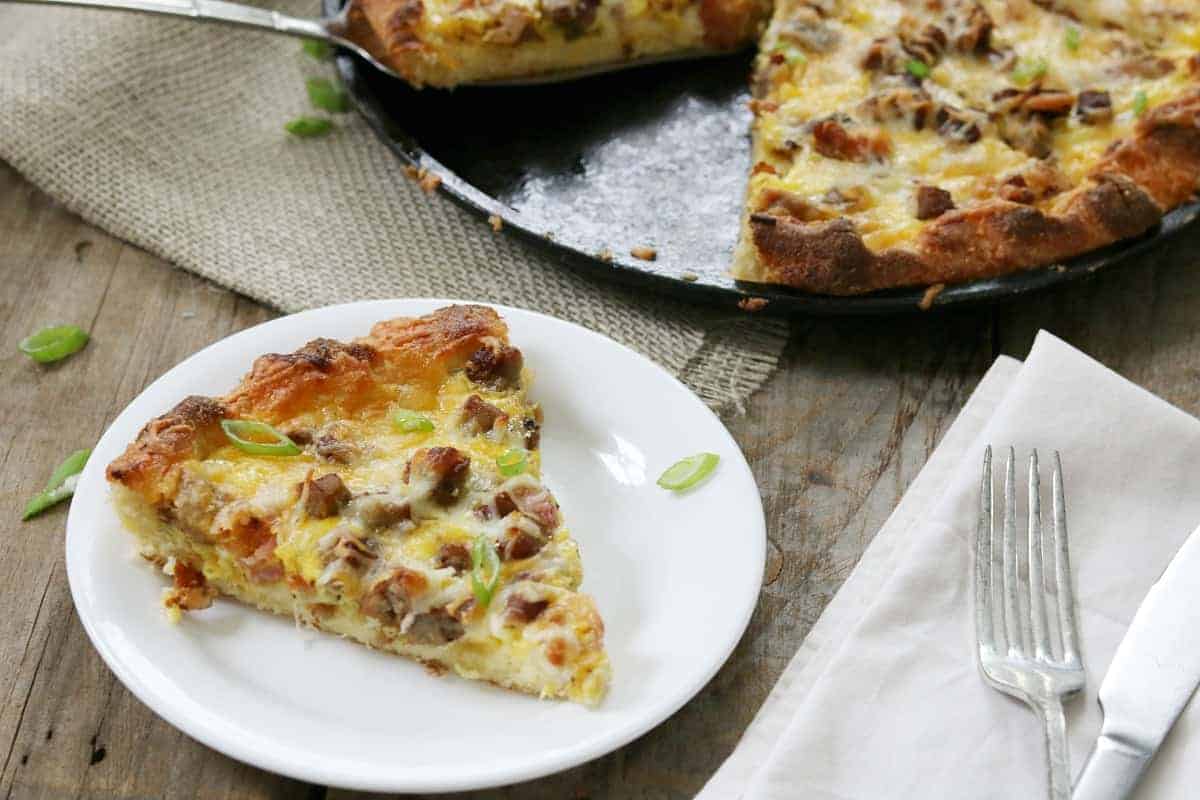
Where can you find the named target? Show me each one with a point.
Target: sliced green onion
(239, 431)
(686, 473)
(323, 94)
(412, 422)
(791, 54)
(1029, 70)
(1072, 39)
(321, 51)
(54, 344)
(1140, 103)
(917, 68)
(485, 562)
(511, 462)
(60, 486)
(309, 127)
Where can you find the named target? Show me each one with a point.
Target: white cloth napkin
(884, 699)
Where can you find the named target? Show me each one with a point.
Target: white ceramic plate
(675, 578)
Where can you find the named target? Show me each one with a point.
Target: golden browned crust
(1128, 191)
(406, 358)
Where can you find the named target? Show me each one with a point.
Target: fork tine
(1037, 585)
(983, 560)
(1010, 587)
(1064, 594)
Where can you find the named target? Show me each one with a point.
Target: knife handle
(1111, 771)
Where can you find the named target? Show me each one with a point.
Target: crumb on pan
(690, 277)
(495, 222)
(930, 295)
(605, 255)
(752, 303)
(644, 253)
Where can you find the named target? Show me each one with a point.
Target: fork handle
(1058, 759)
(209, 11)
(1112, 770)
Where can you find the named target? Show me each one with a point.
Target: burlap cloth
(168, 134)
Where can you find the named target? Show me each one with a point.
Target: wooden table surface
(833, 439)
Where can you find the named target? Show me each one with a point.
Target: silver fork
(1020, 658)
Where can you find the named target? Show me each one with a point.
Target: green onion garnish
(485, 561)
(1029, 70)
(60, 486)
(322, 51)
(686, 473)
(917, 68)
(511, 462)
(1072, 39)
(412, 422)
(53, 344)
(308, 127)
(791, 54)
(323, 94)
(239, 431)
(1140, 103)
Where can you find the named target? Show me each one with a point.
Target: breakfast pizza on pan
(450, 42)
(387, 490)
(940, 141)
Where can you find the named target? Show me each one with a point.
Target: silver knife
(1152, 676)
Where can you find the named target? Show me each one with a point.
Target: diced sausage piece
(300, 436)
(479, 416)
(1148, 66)
(434, 628)
(970, 27)
(454, 555)
(513, 24)
(1027, 133)
(343, 544)
(536, 502)
(933, 201)
(495, 365)
(191, 591)
(522, 609)
(331, 448)
(504, 504)
(832, 140)
(262, 565)
(518, 543)
(1093, 107)
(438, 473)
(957, 125)
(531, 431)
(1052, 103)
(381, 510)
(390, 598)
(573, 16)
(901, 103)
(325, 496)
(1193, 65)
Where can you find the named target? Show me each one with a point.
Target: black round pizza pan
(653, 157)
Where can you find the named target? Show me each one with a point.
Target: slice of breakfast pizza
(386, 490)
(450, 42)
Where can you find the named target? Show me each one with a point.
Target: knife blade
(1152, 676)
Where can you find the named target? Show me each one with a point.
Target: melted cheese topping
(811, 69)
(556, 653)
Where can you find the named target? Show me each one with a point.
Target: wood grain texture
(833, 440)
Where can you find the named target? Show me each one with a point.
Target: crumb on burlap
(496, 223)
